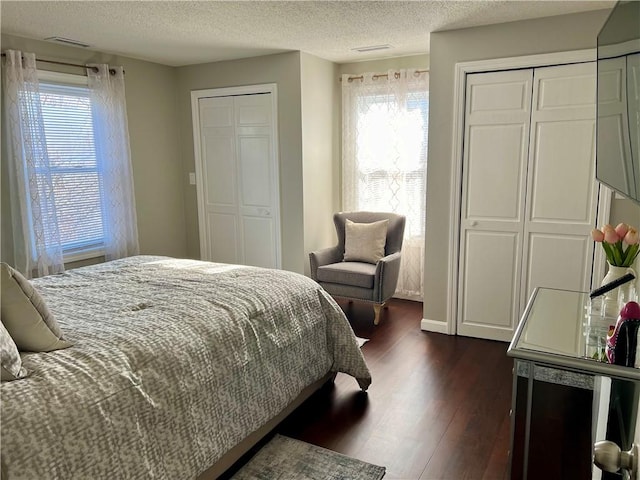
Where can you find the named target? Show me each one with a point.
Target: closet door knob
(609, 458)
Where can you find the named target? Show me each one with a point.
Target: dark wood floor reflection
(438, 407)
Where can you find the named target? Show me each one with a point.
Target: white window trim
(46, 76)
(64, 78)
(83, 255)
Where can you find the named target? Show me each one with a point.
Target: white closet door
(494, 179)
(529, 193)
(561, 199)
(238, 191)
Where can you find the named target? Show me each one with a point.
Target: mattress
(174, 362)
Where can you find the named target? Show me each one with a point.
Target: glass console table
(563, 400)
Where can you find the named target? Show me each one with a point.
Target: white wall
(545, 35)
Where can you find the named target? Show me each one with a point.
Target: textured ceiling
(189, 32)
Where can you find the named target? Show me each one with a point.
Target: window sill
(83, 255)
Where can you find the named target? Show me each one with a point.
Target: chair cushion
(356, 274)
(365, 242)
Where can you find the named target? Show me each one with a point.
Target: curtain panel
(111, 134)
(36, 238)
(384, 157)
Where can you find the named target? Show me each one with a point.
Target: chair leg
(376, 312)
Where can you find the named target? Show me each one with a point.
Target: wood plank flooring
(438, 407)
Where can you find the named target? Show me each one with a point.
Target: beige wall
(284, 70)
(157, 169)
(546, 35)
(321, 178)
(382, 65)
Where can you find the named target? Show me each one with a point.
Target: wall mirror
(618, 102)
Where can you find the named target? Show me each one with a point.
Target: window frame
(90, 251)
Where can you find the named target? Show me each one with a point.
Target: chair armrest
(322, 257)
(386, 279)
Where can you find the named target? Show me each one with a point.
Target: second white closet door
(529, 196)
(562, 193)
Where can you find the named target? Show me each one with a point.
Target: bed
(177, 368)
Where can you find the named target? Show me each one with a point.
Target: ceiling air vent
(68, 41)
(372, 48)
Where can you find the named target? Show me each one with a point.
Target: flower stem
(609, 253)
(617, 253)
(630, 255)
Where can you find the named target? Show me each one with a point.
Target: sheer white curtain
(111, 134)
(36, 239)
(384, 157)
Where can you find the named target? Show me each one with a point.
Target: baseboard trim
(434, 326)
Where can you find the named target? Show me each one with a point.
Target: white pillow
(365, 242)
(26, 316)
(10, 361)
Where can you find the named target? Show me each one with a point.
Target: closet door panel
(561, 180)
(561, 198)
(223, 237)
(494, 175)
(490, 262)
(551, 259)
(502, 143)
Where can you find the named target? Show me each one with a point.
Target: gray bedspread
(173, 363)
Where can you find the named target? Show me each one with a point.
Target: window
(385, 119)
(392, 156)
(73, 164)
(69, 165)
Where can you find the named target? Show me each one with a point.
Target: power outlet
(192, 178)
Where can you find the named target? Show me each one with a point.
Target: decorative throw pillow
(26, 316)
(365, 242)
(10, 361)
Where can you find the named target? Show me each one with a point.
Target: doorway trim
(196, 95)
(461, 71)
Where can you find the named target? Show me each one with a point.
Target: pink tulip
(631, 238)
(622, 229)
(597, 235)
(610, 235)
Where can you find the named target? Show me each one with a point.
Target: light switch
(192, 178)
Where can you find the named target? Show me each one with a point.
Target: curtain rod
(79, 65)
(378, 75)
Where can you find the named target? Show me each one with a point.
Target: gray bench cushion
(357, 274)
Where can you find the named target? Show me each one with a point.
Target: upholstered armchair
(365, 263)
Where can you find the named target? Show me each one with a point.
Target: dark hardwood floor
(438, 407)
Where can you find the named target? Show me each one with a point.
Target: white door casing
(235, 142)
(529, 196)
